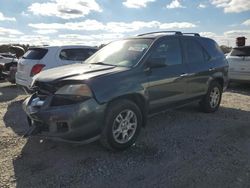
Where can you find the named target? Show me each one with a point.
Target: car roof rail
(195, 34)
(156, 32)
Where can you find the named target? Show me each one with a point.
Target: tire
(122, 125)
(211, 101)
(29, 121)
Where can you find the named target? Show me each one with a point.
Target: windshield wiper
(101, 63)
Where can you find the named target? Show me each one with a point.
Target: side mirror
(156, 62)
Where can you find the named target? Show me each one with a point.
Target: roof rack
(175, 32)
(195, 34)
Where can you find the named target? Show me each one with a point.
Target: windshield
(241, 51)
(125, 53)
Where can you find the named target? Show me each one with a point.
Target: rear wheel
(211, 101)
(122, 125)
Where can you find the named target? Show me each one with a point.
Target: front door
(166, 84)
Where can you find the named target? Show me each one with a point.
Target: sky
(95, 22)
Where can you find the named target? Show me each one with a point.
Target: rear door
(167, 84)
(199, 67)
(74, 55)
(32, 57)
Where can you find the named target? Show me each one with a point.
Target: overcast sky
(93, 22)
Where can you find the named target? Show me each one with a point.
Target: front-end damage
(56, 114)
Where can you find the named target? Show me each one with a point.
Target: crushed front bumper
(73, 123)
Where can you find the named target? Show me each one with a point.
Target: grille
(66, 100)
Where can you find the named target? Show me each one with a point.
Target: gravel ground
(178, 148)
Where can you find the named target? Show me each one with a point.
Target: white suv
(239, 64)
(42, 58)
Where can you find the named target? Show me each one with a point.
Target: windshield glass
(241, 51)
(125, 53)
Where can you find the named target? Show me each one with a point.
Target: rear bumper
(23, 81)
(239, 76)
(72, 123)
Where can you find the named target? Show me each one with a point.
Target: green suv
(110, 95)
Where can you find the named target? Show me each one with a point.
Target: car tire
(211, 101)
(122, 125)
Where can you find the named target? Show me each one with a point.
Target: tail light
(36, 69)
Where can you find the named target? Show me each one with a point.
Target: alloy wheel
(124, 126)
(214, 97)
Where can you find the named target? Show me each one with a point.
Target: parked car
(42, 58)
(8, 63)
(239, 64)
(5, 59)
(110, 96)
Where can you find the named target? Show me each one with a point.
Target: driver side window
(167, 51)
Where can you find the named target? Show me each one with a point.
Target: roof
(65, 46)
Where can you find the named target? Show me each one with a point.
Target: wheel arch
(139, 100)
(218, 79)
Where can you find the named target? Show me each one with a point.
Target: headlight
(77, 90)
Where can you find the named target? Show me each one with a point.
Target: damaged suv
(110, 96)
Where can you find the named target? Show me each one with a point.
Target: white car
(239, 64)
(42, 58)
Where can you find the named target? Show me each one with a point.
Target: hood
(76, 72)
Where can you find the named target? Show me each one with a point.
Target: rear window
(240, 51)
(212, 48)
(76, 54)
(194, 53)
(35, 54)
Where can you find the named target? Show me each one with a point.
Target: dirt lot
(179, 148)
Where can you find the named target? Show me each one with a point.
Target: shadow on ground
(15, 118)
(179, 148)
(242, 88)
(9, 92)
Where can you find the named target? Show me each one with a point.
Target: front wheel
(211, 101)
(122, 125)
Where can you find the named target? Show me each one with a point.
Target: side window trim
(183, 53)
(205, 52)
